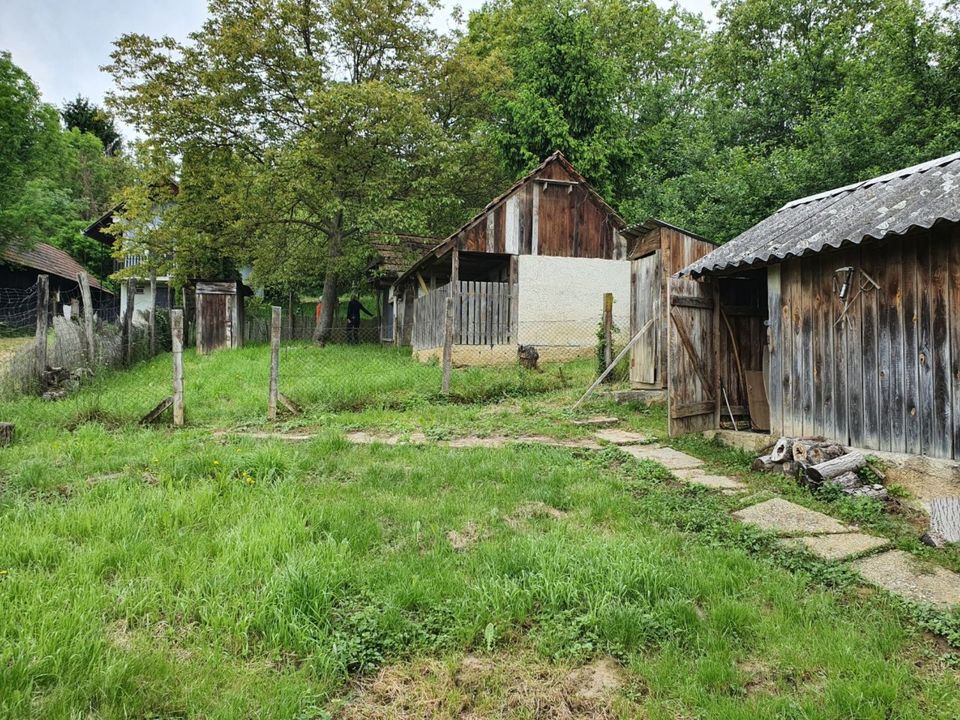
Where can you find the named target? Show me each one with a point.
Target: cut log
(851, 462)
(945, 518)
(847, 481)
(814, 452)
(790, 468)
(783, 450)
(6, 434)
(764, 463)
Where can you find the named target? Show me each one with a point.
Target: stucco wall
(561, 299)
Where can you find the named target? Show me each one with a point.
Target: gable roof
(887, 205)
(556, 157)
(392, 258)
(50, 260)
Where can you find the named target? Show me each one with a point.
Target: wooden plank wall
(887, 375)
(560, 219)
(428, 319)
(484, 315)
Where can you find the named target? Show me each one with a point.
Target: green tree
(87, 117)
(304, 121)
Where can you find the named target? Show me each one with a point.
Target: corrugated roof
(50, 260)
(891, 204)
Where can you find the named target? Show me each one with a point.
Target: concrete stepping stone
(786, 518)
(668, 457)
(621, 437)
(598, 421)
(714, 482)
(836, 547)
(901, 573)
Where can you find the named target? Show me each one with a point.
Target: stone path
(901, 573)
(896, 571)
(786, 518)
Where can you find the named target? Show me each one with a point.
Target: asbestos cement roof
(892, 204)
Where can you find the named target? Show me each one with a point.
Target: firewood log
(851, 462)
(783, 450)
(814, 452)
(764, 463)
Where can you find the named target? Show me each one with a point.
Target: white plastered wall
(561, 299)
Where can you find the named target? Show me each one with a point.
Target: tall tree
(87, 117)
(302, 116)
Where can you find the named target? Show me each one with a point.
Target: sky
(62, 44)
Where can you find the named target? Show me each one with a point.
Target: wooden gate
(645, 313)
(693, 394)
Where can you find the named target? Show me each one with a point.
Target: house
(530, 269)
(860, 288)
(388, 261)
(143, 299)
(658, 251)
(19, 269)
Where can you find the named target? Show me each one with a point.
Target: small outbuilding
(219, 315)
(861, 295)
(530, 269)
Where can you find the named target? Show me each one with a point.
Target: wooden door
(212, 322)
(692, 381)
(645, 314)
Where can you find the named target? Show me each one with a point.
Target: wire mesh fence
(128, 372)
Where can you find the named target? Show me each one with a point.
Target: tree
(303, 119)
(83, 115)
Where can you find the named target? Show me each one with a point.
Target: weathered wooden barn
(19, 268)
(530, 269)
(388, 260)
(861, 290)
(658, 251)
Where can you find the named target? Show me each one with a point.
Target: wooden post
(275, 330)
(43, 303)
(607, 329)
(128, 322)
(448, 344)
(6, 433)
(153, 313)
(176, 332)
(88, 318)
(455, 288)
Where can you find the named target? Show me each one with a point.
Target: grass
(152, 573)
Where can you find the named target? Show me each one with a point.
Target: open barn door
(645, 313)
(692, 379)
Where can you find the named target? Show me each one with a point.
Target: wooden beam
(692, 301)
(423, 284)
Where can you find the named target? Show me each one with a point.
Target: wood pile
(818, 463)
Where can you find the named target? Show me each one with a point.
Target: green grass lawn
(146, 572)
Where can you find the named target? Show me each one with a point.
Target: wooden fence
(482, 317)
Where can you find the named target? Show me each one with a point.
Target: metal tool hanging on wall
(843, 280)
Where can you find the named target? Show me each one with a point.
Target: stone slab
(786, 518)
(751, 442)
(621, 437)
(837, 547)
(668, 457)
(598, 421)
(900, 573)
(714, 482)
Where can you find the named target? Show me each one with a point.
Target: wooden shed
(530, 269)
(219, 315)
(659, 250)
(862, 290)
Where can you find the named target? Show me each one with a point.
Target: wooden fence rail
(481, 317)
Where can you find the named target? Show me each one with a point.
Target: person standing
(354, 308)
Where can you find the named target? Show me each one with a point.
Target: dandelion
(216, 462)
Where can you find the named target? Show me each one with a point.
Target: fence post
(127, 332)
(275, 329)
(448, 343)
(43, 303)
(153, 313)
(176, 332)
(607, 330)
(88, 319)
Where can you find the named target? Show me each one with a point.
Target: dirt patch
(533, 510)
(464, 539)
(497, 686)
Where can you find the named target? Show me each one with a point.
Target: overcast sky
(63, 43)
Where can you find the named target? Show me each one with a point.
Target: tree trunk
(322, 331)
(783, 450)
